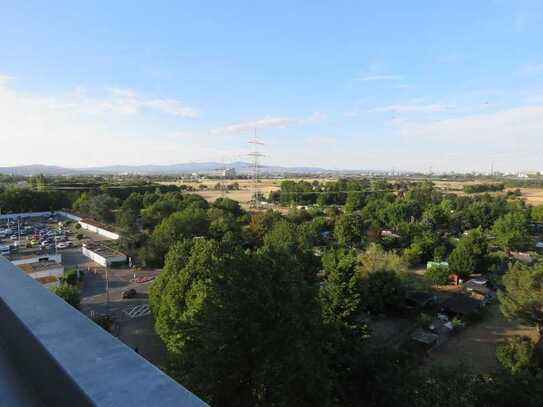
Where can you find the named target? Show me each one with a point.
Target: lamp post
(107, 290)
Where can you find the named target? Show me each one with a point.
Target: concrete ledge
(68, 360)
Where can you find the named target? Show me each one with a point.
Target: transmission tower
(255, 155)
(222, 183)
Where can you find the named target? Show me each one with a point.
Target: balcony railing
(52, 355)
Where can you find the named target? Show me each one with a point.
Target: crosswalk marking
(137, 311)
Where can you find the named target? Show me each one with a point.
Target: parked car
(46, 242)
(62, 245)
(130, 293)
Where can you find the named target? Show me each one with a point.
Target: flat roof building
(47, 272)
(103, 255)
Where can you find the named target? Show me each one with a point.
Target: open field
(243, 195)
(533, 196)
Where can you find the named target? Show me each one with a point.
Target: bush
(70, 277)
(105, 321)
(515, 354)
(438, 275)
(440, 253)
(413, 255)
(68, 293)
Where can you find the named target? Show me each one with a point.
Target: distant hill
(26, 170)
(173, 169)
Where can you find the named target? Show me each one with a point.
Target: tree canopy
(522, 294)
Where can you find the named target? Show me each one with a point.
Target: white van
(5, 250)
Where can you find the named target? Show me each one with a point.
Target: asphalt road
(94, 287)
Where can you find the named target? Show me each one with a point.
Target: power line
(255, 155)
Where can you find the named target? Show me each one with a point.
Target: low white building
(97, 228)
(36, 258)
(103, 255)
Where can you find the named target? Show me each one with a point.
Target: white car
(63, 245)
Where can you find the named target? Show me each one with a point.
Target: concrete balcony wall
(65, 359)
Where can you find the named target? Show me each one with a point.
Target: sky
(405, 85)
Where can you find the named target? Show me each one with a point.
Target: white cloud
(126, 101)
(472, 141)
(368, 78)
(267, 123)
(43, 129)
(4, 79)
(115, 100)
(519, 125)
(414, 108)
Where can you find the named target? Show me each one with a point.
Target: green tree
(230, 320)
(349, 229)
(129, 215)
(470, 255)
(261, 223)
(374, 258)
(516, 353)
(82, 204)
(438, 275)
(522, 294)
(511, 231)
(435, 218)
(382, 274)
(70, 277)
(222, 222)
(414, 254)
(355, 201)
(382, 292)
(286, 237)
(229, 205)
(186, 224)
(440, 253)
(101, 208)
(340, 294)
(537, 213)
(68, 293)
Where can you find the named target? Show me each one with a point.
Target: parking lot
(34, 236)
(120, 291)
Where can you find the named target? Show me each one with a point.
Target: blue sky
(344, 84)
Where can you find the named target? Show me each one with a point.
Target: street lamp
(107, 290)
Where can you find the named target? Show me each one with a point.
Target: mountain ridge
(241, 167)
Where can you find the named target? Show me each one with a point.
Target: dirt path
(476, 345)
